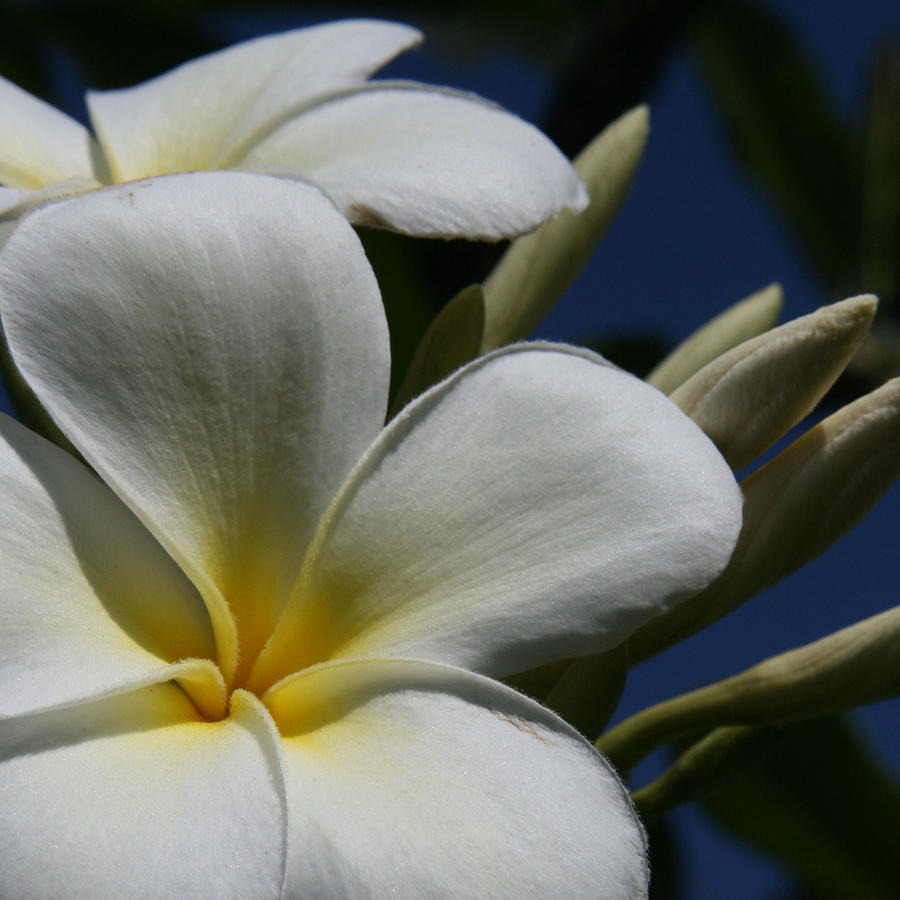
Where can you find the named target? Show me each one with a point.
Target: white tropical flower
(400, 155)
(256, 659)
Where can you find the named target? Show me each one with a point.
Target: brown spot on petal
(521, 724)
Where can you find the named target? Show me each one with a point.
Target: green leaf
(822, 805)
(407, 303)
(704, 766)
(880, 251)
(783, 128)
(667, 862)
(538, 267)
(452, 339)
(588, 691)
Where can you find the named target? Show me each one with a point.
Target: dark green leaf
(452, 340)
(880, 252)
(666, 862)
(588, 691)
(783, 127)
(822, 805)
(407, 304)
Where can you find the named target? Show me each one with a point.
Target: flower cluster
(392, 154)
(253, 629)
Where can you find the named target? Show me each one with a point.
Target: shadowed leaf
(822, 805)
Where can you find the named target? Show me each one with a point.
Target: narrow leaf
(705, 766)
(820, 804)
(538, 267)
(452, 340)
(784, 129)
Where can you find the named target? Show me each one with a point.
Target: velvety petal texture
(482, 534)
(386, 747)
(103, 607)
(421, 160)
(137, 797)
(411, 158)
(40, 145)
(218, 352)
(235, 650)
(201, 114)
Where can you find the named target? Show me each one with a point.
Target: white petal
(10, 199)
(40, 145)
(15, 203)
(89, 602)
(425, 161)
(12, 202)
(137, 797)
(409, 779)
(198, 115)
(215, 346)
(536, 505)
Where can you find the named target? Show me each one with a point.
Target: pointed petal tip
(861, 306)
(204, 113)
(639, 117)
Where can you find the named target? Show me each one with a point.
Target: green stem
(708, 764)
(856, 665)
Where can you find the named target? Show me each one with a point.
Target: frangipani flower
(410, 157)
(256, 659)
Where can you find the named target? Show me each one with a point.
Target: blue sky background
(693, 238)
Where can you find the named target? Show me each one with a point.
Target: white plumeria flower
(256, 659)
(405, 156)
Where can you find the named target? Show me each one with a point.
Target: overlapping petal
(200, 114)
(10, 199)
(40, 145)
(218, 352)
(411, 158)
(135, 796)
(15, 203)
(537, 504)
(408, 157)
(89, 602)
(429, 781)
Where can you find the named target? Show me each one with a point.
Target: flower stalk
(708, 764)
(856, 665)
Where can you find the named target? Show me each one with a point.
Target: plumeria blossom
(256, 656)
(400, 155)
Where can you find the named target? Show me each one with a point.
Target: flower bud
(752, 316)
(856, 665)
(795, 507)
(750, 396)
(538, 267)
